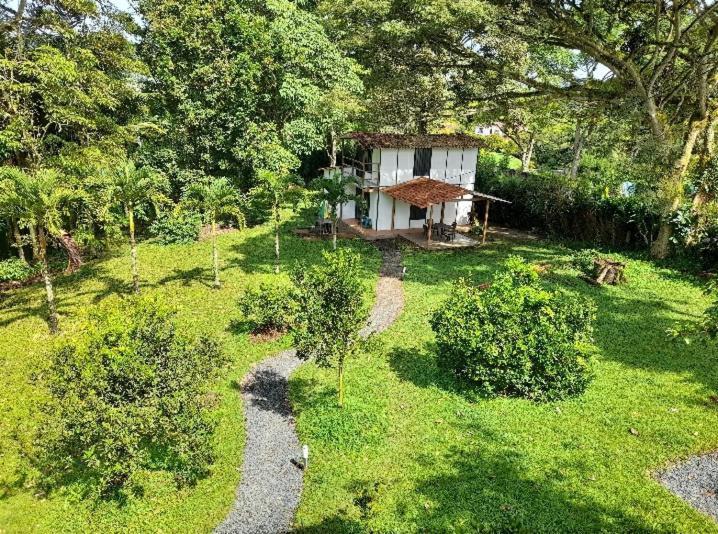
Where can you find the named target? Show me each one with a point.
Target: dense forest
(604, 113)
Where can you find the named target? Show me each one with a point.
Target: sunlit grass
(413, 452)
(182, 275)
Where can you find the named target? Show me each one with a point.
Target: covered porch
(416, 236)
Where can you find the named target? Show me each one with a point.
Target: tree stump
(74, 254)
(606, 271)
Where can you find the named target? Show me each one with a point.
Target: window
(416, 213)
(422, 162)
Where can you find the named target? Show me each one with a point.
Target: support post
(486, 221)
(393, 212)
(441, 219)
(431, 223)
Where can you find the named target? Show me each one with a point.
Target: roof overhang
(424, 191)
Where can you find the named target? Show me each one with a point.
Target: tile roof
(384, 140)
(423, 192)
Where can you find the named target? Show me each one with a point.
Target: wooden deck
(415, 236)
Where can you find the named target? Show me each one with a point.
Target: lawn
(182, 275)
(412, 451)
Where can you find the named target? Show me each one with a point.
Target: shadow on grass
(187, 277)
(485, 490)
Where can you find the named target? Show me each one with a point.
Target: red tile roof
(383, 140)
(423, 192)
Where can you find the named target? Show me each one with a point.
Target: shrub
(177, 227)
(583, 260)
(268, 308)
(330, 312)
(707, 328)
(15, 270)
(516, 338)
(126, 394)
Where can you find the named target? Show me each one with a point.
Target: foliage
(136, 187)
(15, 269)
(583, 260)
(706, 329)
(126, 395)
(573, 209)
(177, 227)
(270, 307)
(516, 338)
(241, 86)
(65, 80)
(214, 198)
(329, 311)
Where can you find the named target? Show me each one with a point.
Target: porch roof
(424, 191)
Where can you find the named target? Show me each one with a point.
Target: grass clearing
(414, 452)
(182, 275)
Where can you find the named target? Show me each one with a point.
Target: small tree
(336, 189)
(214, 198)
(280, 187)
(126, 394)
(133, 187)
(329, 312)
(40, 200)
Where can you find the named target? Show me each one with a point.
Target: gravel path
(696, 481)
(271, 482)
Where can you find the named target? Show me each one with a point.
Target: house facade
(382, 161)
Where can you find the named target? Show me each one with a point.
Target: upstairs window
(422, 162)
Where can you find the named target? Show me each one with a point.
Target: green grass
(413, 452)
(514, 163)
(182, 275)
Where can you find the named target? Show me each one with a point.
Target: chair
(450, 231)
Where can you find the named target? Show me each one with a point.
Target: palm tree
(40, 199)
(133, 187)
(214, 198)
(279, 187)
(337, 189)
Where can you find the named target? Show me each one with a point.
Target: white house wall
(405, 167)
(438, 163)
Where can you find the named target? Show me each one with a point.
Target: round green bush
(515, 338)
(270, 307)
(126, 394)
(177, 228)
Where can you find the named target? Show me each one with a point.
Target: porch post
(443, 205)
(486, 221)
(393, 211)
(431, 223)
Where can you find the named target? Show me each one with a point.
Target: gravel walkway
(696, 481)
(271, 482)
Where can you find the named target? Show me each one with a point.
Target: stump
(606, 271)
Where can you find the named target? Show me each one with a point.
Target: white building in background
(488, 129)
(384, 160)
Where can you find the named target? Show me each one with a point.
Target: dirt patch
(266, 335)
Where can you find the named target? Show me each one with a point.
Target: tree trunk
(276, 238)
(672, 192)
(20, 36)
(332, 148)
(133, 252)
(18, 240)
(340, 368)
(335, 222)
(74, 256)
(33, 241)
(527, 154)
(215, 255)
(52, 318)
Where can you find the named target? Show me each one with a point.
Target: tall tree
(234, 79)
(134, 189)
(279, 187)
(41, 199)
(215, 198)
(663, 56)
